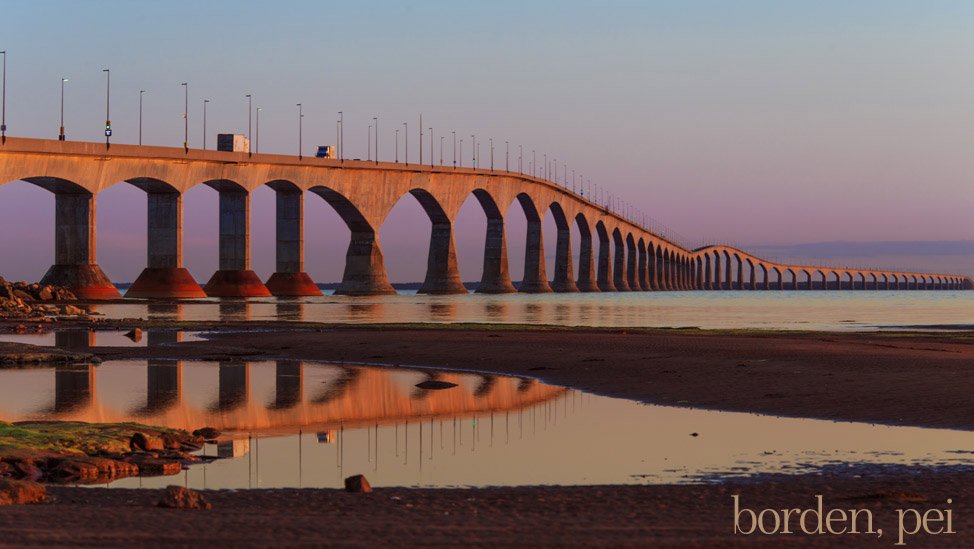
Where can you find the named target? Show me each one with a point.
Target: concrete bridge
(630, 257)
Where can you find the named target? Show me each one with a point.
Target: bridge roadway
(363, 193)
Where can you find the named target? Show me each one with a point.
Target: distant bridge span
(630, 257)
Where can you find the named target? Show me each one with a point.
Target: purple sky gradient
(753, 122)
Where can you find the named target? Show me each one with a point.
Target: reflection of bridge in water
(187, 394)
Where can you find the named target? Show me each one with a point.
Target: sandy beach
(902, 379)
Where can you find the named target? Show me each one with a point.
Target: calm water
(803, 310)
(311, 424)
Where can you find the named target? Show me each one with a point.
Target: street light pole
(454, 150)
(473, 151)
(405, 140)
(397, 145)
(300, 129)
(108, 104)
(461, 152)
(491, 139)
(3, 101)
(507, 156)
(368, 156)
(442, 137)
(376, 120)
(205, 101)
(257, 135)
(60, 136)
(431, 147)
(141, 93)
(341, 136)
(186, 117)
(250, 113)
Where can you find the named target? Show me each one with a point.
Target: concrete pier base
(496, 278)
(442, 272)
(292, 285)
(85, 281)
(365, 271)
(235, 283)
(534, 281)
(165, 283)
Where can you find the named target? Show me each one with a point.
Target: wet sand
(905, 379)
(607, 516)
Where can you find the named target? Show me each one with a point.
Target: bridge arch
(534, 279)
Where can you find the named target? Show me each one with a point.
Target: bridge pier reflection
(164, 385)
(74, 387)
(234, 385)
(289, 384)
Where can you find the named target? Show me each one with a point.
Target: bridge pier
(619, 268)
(365, 271)
(564, 281)
(289, 278)
(235, 279)
(496, 278)
(652, 268)
(642, 270)
(442, 272)
(586, 261)
(535, 281)
(632, 260)
(605, 265)
(164, 275)
(74, 249)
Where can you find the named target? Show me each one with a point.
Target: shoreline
(896, 378)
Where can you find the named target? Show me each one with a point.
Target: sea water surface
(307, 424)
(789, 310)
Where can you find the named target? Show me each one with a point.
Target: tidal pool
(304, 424)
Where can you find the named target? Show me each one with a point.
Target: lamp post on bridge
(108, 104)
(491, 139)
(454, 149)
(376, 120)
(442, 137)
(507, 156)
(3, 101)
(341, 137)
(431, 147)
(250, 113)
(257, 135)
(461, 152)
(186, 117)
(397, 145)
(534, 163)
(473, 151)
(141, 93)
(205, 101)
(300, 129)
(405, 142)
(60, 136)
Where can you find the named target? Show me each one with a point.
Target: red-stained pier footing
(85, 281)
(165, 283)
(235, 284)
(292, 285)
